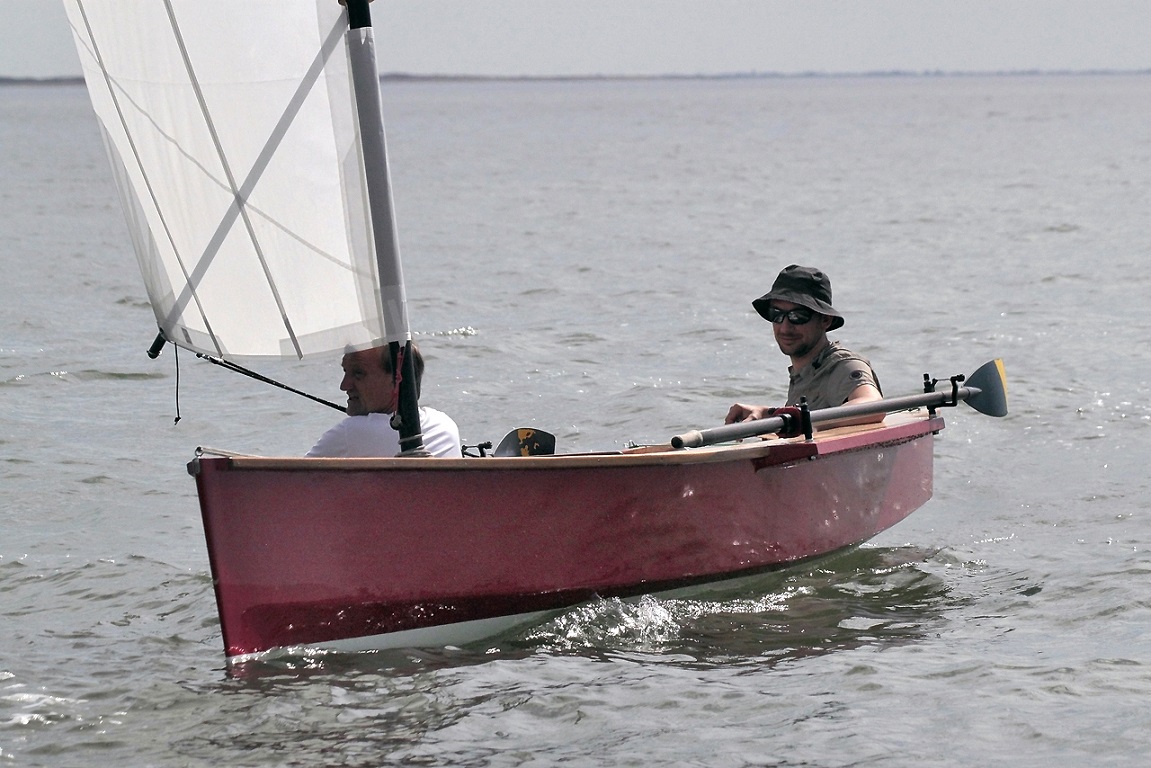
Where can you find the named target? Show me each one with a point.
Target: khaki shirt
(830, 378)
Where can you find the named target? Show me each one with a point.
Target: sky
(694, 37)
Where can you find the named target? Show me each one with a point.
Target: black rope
(161, 340)
(176, 355)
(259, 377)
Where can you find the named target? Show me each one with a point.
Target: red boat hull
(314, 552)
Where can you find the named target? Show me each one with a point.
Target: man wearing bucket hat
(798, 306)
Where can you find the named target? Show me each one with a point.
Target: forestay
(232, 133)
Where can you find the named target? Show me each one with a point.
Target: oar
(527, 441)
(986, 392)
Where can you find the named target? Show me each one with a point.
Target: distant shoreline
(396, 77)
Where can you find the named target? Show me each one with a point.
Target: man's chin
(795, 348)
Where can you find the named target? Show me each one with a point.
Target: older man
(371, 400)
(798, 306)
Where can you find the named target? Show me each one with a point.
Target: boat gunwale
(897, 428)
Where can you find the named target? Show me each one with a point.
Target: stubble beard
(796, 349)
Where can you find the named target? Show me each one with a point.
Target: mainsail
(233, 136)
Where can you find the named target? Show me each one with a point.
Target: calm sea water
(581, 256)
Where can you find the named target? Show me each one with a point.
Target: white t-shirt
(372, 436)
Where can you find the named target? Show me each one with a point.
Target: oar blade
(526, 441)
(991, 381)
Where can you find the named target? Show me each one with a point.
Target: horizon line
(752, 75)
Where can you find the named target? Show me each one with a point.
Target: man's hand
(741, 412)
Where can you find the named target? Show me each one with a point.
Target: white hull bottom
(443, 636)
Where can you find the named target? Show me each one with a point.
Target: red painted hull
(325, 551)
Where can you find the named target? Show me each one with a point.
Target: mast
(366, 83)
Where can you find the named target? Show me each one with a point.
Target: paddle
(986, 392)
(526, 441)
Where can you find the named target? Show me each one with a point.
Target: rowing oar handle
(697, 438)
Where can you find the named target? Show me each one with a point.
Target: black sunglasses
(796, 316)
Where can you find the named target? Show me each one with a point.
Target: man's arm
(864, 393)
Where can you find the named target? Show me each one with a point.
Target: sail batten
(235, 154)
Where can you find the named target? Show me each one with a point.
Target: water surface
(581, 256)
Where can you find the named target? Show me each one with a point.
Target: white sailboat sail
(233, 137)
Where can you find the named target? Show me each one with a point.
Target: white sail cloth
(233, 137)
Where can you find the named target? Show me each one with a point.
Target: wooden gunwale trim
(902, 426)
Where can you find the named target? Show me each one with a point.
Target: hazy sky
(579, 37)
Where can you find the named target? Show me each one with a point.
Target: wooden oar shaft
(697, 438)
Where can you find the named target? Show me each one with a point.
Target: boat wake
(868, 596)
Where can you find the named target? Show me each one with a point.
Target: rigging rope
(260, 377)
(176, 355)
(161, 340)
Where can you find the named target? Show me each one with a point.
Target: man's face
(368, 385)
(798, 340)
